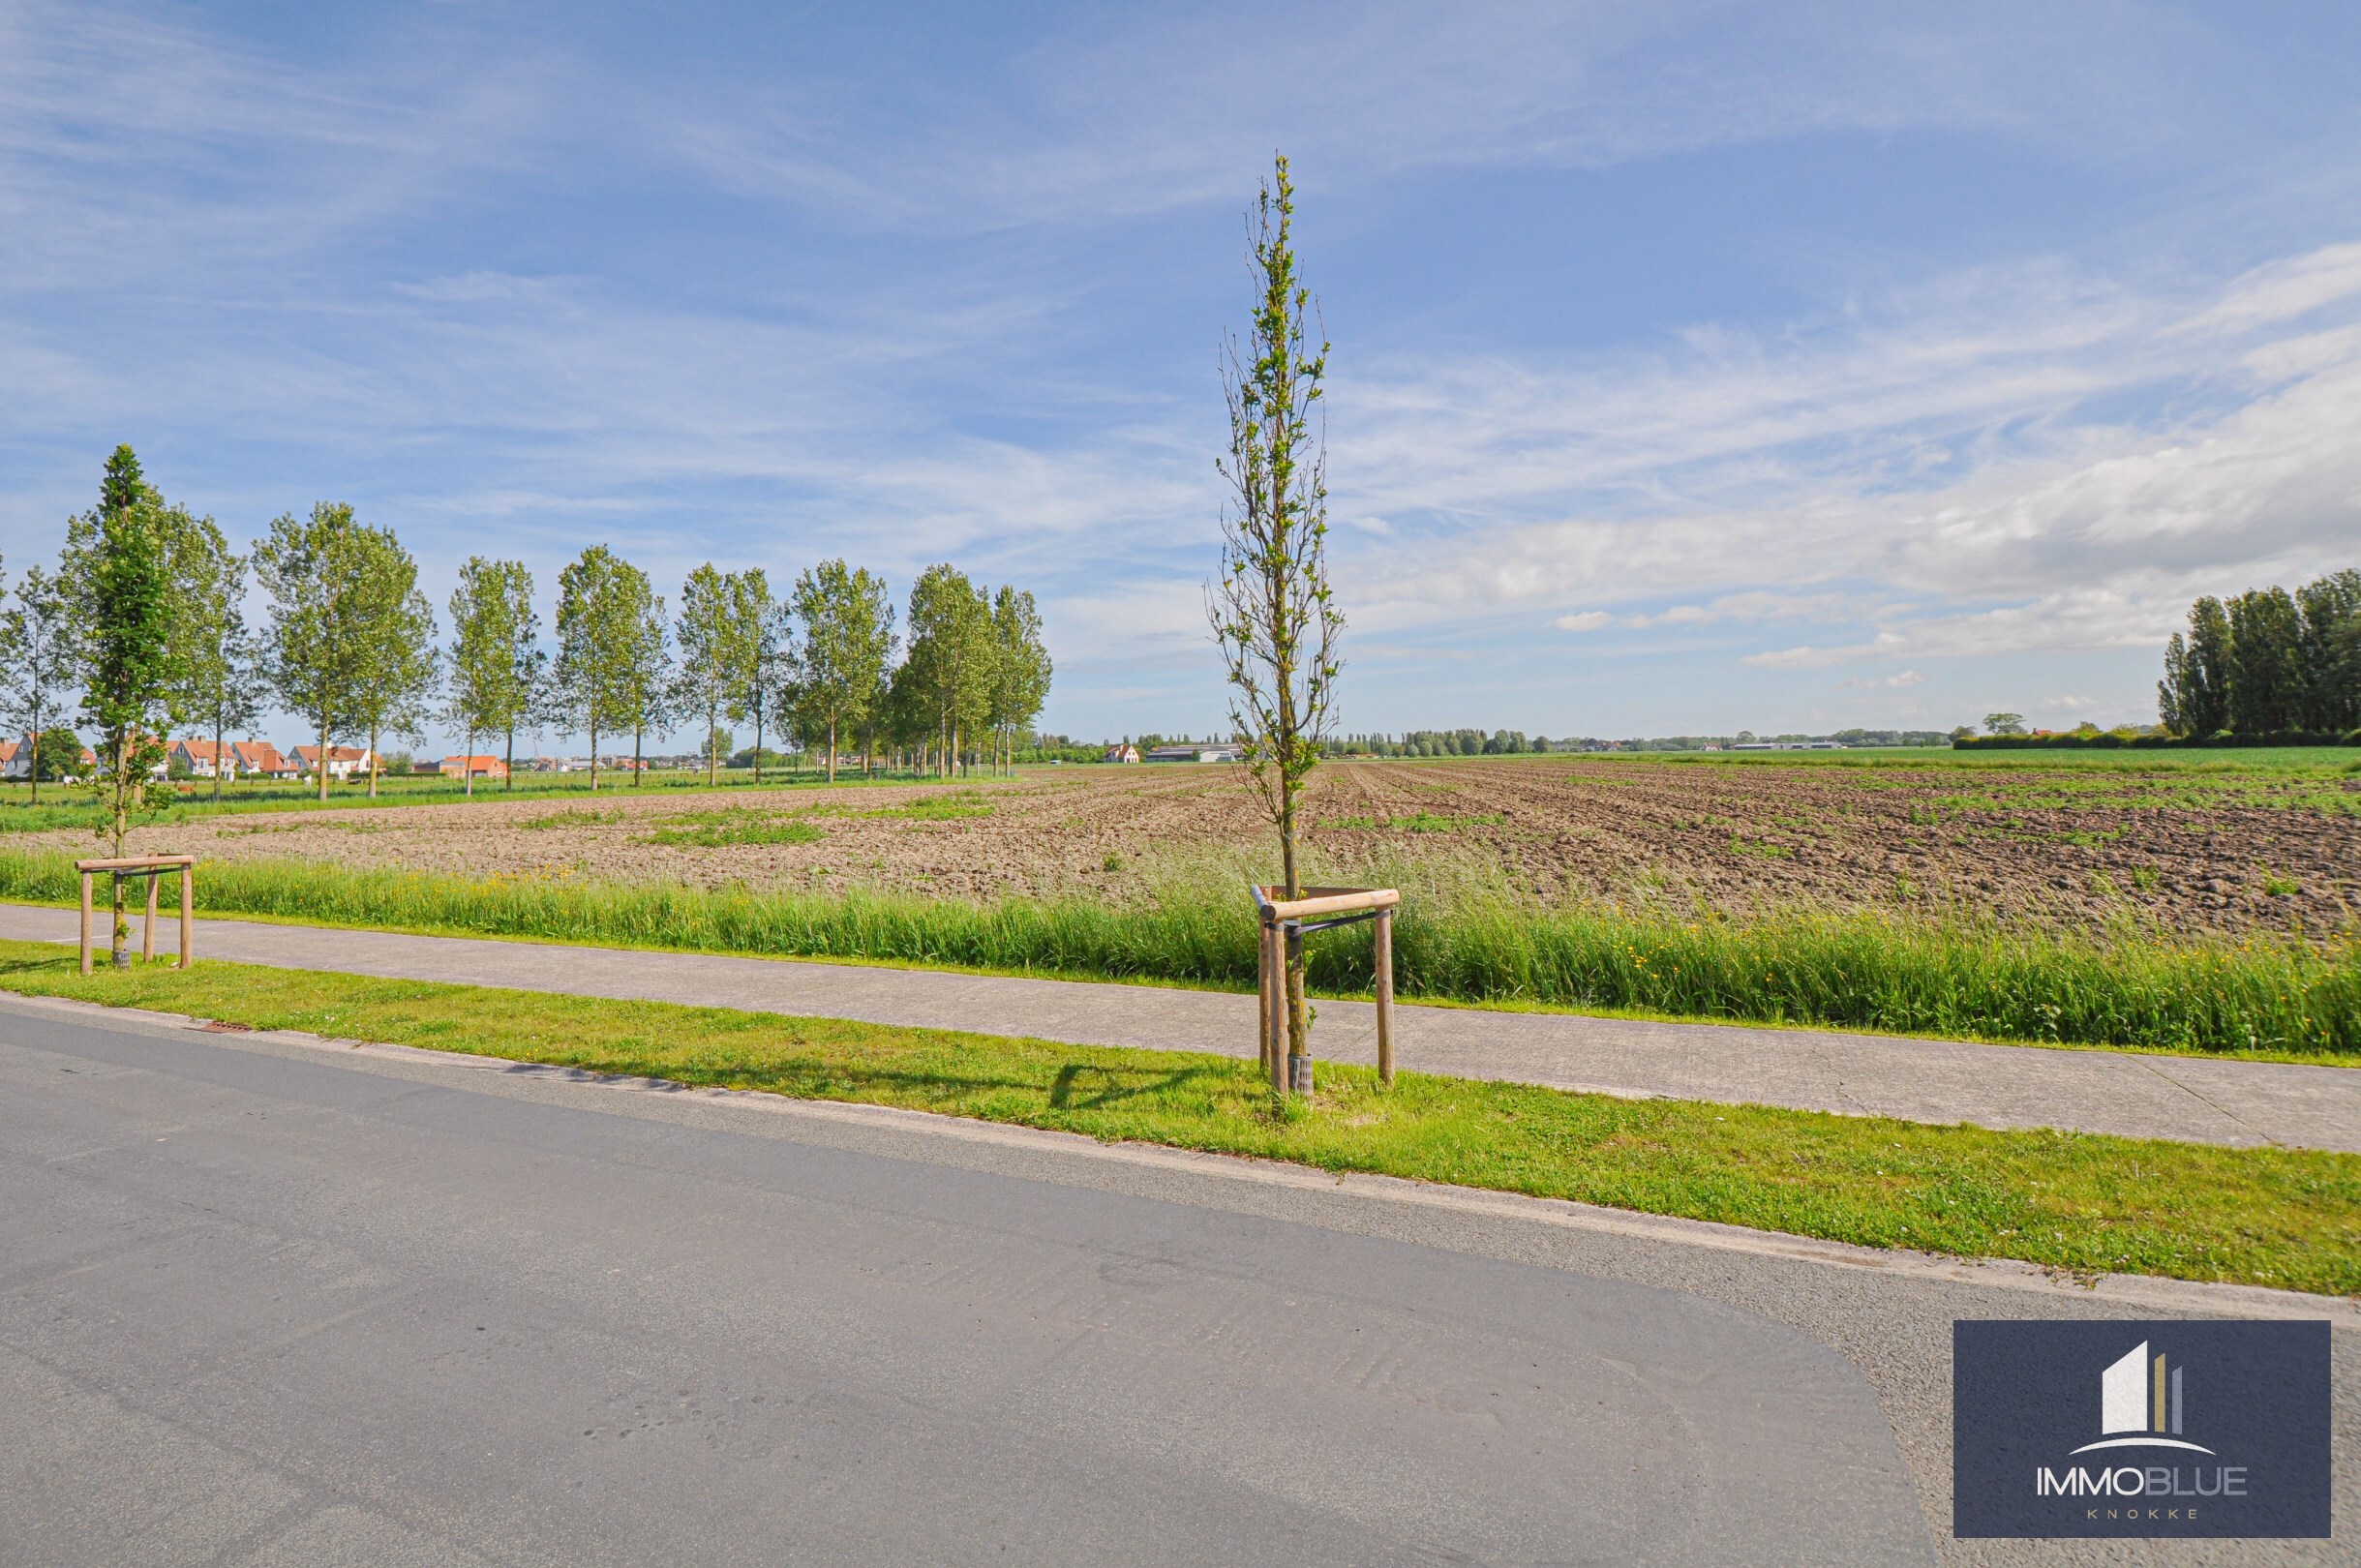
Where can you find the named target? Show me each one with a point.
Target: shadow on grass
(1062, 1088)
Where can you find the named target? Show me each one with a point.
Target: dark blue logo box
(2162, 1429)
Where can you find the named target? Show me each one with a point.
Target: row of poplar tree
(142, 627)
(2268, 662)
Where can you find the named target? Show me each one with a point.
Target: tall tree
(591, 683)
(1020, 668)
(1272, 610)
(951, 664)
(2193, 697)
(2331, 607)
(2266, 665)
(222, 680)
(848, 638)
(707, 672)
(37, 661)
(650, 669)
(764, 645)
(393, 628)
(316, 573)
(489, 687)
(128, 650)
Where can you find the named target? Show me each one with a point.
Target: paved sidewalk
(2192, 1100)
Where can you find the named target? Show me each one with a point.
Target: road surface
(270, 1303)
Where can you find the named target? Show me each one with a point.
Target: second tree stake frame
(1284, 923)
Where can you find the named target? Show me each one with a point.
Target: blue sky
(1696, 366)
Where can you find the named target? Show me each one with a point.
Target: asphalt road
(265, 1303)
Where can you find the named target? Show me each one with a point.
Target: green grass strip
(1841, 970)
(2289, 1219)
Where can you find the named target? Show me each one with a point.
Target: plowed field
(2186, 848)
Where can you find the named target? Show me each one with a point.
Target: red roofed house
(342, 761)
(17, 759)
(472, 768)
(259, 758)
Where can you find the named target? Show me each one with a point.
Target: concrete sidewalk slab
(2186, 1098)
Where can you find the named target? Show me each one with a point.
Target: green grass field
(2279, 1218)
(2278, 999)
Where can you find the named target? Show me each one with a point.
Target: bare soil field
(2223, 849)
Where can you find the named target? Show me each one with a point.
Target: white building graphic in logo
(2142, 1397)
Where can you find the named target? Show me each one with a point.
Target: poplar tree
(1271, 608)
(597, 604)
(2267, 692)
(36, 663)
(222, 677)
(762, 644)
(848, 638)
(1021, 668)
(650, 669)
(122, 578)
(315, 572)
(2331, 607)
(391, 628)
(492, 664)
(951, 664)
(707, 672)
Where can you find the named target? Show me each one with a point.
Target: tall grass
(1859, 971)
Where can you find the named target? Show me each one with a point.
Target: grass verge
(1842, 971)
(2289, 1219)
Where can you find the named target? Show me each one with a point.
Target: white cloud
(1587, 620)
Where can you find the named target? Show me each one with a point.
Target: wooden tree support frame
(1287, 920)
(153, 867)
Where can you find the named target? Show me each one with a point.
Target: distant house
(342, 761)
(259, 758)
(469, 767)
(1194, 753)
(16, 758)
(202, 759)
(1121, 754)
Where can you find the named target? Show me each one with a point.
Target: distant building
(1126, 753)
(1194, 754)
(259, 758)
(468, 767)
(16, 758)
(342, 761)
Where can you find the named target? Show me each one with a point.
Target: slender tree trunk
(217, 756)
(509, 782)
(831, 748)
(467, 767)
(594, 730)
(373, 761)
(323, 756)
(636, 772)
(757, 737)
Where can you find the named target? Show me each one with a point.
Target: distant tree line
(2268, 663)
(142, 627)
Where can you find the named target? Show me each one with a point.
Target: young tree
(763, 644)
(1021, 668)
(1272, 612)
(2266, 665)
(597, 607)
(36, 662)
(493, 661)
(128, 651)
(707, 672)
(848, 637)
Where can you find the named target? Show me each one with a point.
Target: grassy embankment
(1859, 971)
(2279, 1218)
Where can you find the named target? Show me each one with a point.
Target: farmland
(2191, 844)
